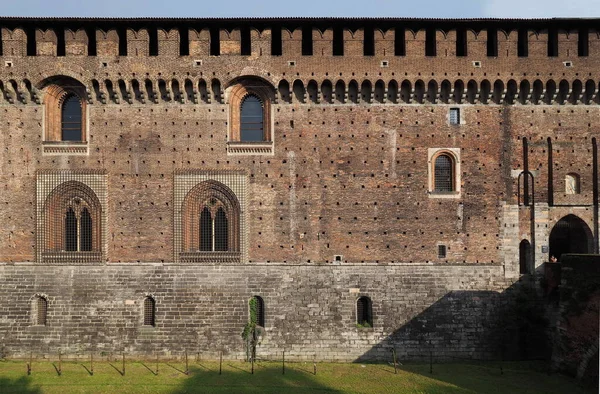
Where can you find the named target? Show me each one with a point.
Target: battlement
(476, 39)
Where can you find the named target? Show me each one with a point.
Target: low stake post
(430, 362)
(156, 363)
(59, 364)
(30, 362)
(123, 363)
(395, 363)
(187, 369)
(252, 363)
(92, 363)
(315, 365)
(283, 364)
(220, 362)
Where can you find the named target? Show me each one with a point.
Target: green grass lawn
(268, 378)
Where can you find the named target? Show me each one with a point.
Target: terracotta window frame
(454, 155)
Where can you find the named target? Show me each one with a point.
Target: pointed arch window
(71, 118)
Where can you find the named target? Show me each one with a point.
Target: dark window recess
(443, 174)
(42, 311)
(245, 42)
(251, 122)
(85, 241)
(60, 42)
(92, 46)
(184, 42)
(31, 41)
(369, 42)
(307, 41)
(454, 116)
(276, 43)
(260, 311)
(71, 119)
(583, 42)
(364, 314)
(523, 43)
(441, 251)
(430, 43)
(70, 231)
(399, 42)
(153, 41)
(461, 42)
(149, 312)
(221, 231)
(552, 43)
(524, 256)
(338, 42)
(122, 33)
(492, 42)
(206, 230)
(215, 42)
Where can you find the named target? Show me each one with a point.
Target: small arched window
(257, 311)
(71, 119)
(572, 184)
(251, 119)
(149, 312)
(443, 174)
(364, 313)
(41, 311)
(524, 257)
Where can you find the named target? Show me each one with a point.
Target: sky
(312, 8)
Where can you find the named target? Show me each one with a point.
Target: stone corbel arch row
(354, 90)
(209, 194)
(76, 195)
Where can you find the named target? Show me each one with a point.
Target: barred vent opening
(441, 251)
(149, 312)
(443, 174)
(42, 311)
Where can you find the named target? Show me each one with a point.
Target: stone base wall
(310, 310)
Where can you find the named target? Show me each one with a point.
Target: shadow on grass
(122, 373)
(21, 386)
(266, 379)
(149, 369)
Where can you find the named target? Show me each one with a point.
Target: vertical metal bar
(157, 363)
(395, 363)
(252, 363)
(59, 363)
(187, 369)
(283, 364)
(92, 363)
(220, 361)
(123, 363)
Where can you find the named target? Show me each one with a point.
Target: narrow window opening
(461, 42)
(583, 42)
(149, 312)
(572, 184)
(221, 231)
(307, 41)
(153, 41)
(31, 42)
(443, 174)
(85, 241)
(524, 257)
(42, 311)
(257, 311)
(369, 42)
(441, 251)
(492, 42)
(215, 42)
(184, 42)
(71, 119)
(61, 46)
(552, 43)
(338, 41)
(276, 43)
(92, 46)
(70, 231)
(523, 43)
(430, 43)
(399, 42)
(122, 33)
(245, 42)
(206, 239)
(364, 314)
(454, 116)
(251, 123)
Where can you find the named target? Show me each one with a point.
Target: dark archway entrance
(525, 263)
(570, 235)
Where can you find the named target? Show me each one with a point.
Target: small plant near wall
(364, 324)
(252, 330)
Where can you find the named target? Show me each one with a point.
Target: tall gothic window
(213, 229)
(71, 119)
(251, 119)
(78, 230)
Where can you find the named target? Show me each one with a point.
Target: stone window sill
(433, 194)
(210, 257)
(71, 148)
(264, 148)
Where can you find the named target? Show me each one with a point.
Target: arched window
(70, 231)
(364, 313)
(78, 229)
(206, 230)
(524, 257)
(149, 312)
(71, 119)
(257, 311)
(251, 122)
(220, 230)
(40, 310)
(572, 184)
(443, 174)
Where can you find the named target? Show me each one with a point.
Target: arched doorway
(570, 235)
(525, 257)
